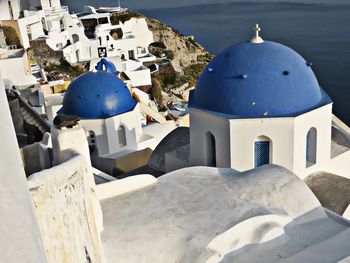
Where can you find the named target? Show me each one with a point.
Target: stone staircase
(32, 117)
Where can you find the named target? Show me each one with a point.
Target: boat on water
(112, 9)
(181, 106)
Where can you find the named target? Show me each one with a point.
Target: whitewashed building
(65, 32)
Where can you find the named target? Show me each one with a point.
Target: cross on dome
(256, 39)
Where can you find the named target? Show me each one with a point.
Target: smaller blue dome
(106, 65)
(97, 95)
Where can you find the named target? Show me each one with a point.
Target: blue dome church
(109, 114)
(259, 102)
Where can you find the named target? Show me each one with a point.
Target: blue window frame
(262, 153)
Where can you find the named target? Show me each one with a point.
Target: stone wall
(64, 208)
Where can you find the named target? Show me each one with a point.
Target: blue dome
(250, 80)
(97, 95)
(104, 64)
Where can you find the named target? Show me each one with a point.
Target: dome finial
(256, 39)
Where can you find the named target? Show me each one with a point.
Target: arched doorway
(210, 150)
(262, 151)
(311, 147)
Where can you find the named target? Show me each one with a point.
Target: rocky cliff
(187, 59)
(186, 51)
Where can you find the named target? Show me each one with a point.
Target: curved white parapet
(256, 230)
(124, 186)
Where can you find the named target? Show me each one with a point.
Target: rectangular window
(262, 153)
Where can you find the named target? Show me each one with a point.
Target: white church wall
(201, 125)
(321, 120)
(244, 133)
(99, 129)
(106, 132)
(130, 121)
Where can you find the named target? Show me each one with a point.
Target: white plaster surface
(20, 239)
(186, 215)
(124, 186)
(65, 209)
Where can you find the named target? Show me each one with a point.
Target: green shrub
(169, 78)
(193, 72)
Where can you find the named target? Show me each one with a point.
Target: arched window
(121, 136)
(311, 147)
(262, 151)
(210, 150)
(75, 38)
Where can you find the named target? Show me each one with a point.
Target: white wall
(235, 140)
(106, 131)
(5, 13)
(17, 70)
(20, 239)
(321, 119)
(201, 123)
(140, 77)
(244, 133)
(65, 209)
